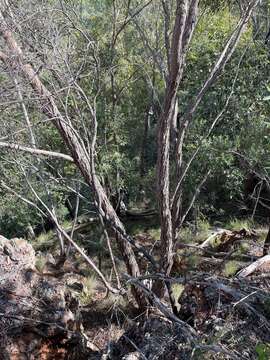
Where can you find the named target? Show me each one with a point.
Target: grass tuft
(177, 290)
(189, 234)
(40, 263)
(231, 268)
(44, 242)
(154, 233)
(239, 224)
(89, 285)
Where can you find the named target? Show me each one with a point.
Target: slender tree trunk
(144, 144)
(266, 245)
(185, 20)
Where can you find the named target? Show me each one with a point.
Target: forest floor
(230, 315)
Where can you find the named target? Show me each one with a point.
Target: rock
(39, 315)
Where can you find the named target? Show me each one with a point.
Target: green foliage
(40, 263)
(231, 267)
(154, 233)
(263, 351)
(130, 88)
(195, 234)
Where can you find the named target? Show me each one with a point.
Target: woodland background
(133, 133)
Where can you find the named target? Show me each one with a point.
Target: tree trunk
(144, 144)
(185, 20)
(266, 245)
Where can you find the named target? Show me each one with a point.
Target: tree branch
(219, 65)
(33, 151)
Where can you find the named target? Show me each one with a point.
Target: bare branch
(254, 266)
(220, 63)
(195, 195)
(127, 21)
(187, 329)
(62, 232)
(83, 158)
(184, 171)
(9, 189)
(34, 151)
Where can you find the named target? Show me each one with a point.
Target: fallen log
(220, 255)
(223, 240)
(137, 215)
(261, 264)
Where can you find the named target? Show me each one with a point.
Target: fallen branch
(227, 239)
(189, 332)
(254, 266)
(66, 236)
(219, 255)
(207, 242)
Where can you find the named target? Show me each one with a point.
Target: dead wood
(261, 265)
(223, 240)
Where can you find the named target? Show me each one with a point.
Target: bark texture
(185, 20)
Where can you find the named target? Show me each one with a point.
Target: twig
(135, 347)
(187, 329)
(245, 298)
